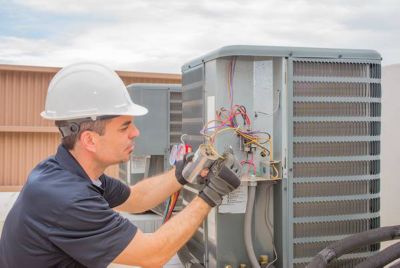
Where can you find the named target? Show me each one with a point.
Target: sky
(160, 36)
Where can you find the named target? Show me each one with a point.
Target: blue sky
(160, 36)
(23, 21)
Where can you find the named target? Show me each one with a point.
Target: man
(64, 214)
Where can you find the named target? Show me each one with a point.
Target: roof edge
(125, 74)
(154, 86)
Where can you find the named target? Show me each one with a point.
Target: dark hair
(98, 126)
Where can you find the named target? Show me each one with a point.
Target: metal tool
(203, 158)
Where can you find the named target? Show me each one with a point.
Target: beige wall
(390, 182)
(25, 138)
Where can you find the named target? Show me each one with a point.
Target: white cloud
(153, 35)
(86, 6)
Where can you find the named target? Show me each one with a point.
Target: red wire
(250, 163)
(172, 205)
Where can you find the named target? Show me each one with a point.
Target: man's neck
(92, 168)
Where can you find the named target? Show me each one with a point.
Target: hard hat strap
(68, 128)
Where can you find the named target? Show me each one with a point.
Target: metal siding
(20, 152)
(24, 94)
(26, 138)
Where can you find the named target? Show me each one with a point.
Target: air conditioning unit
(160, 129)
(322, 111)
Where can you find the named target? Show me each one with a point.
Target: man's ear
(88, 140)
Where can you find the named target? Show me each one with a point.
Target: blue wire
(166, 209)
(207, 129)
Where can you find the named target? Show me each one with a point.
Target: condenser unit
(322, 110)
(160, 129)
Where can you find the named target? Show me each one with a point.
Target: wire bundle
(227, 120)
(170, 205)
(237, 120)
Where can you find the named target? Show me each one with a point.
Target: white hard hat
(88, 90)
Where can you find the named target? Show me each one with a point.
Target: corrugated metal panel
(26, 138)
(21, 151)
(22, 95)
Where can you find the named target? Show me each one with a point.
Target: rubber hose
(395, 265)
(353, 242)
(382, 258)
(247, 227)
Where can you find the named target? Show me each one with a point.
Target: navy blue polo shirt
(62, 219)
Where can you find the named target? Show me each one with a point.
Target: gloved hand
(180, 165)
(222, 179)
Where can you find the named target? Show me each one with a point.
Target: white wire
(269, 224)
(183, 135)
(274, 110)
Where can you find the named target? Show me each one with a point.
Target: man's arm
(156, 249)
(150, 192)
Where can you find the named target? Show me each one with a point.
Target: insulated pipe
(382, 258)
(247, 225)
(395, 265)
(187, 259)
(353, 242)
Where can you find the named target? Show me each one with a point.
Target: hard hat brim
(132, 110)
(138, 110)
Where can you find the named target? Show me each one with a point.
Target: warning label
(235, 202)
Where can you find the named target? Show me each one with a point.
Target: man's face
(117, 142)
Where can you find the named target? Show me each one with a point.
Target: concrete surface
(173, 263)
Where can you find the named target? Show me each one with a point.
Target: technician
(65, 215)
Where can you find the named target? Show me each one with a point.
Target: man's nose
(134, 132)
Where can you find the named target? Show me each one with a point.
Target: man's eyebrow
(127, 123)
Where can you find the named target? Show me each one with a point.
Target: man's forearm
(150, 192)
(180, 228)
(155, 249)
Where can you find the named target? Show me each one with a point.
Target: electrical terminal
(276, 169)
(253, 178)
(246, 145)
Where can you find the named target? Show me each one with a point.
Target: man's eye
(123, 129)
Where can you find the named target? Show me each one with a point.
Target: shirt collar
(65, 159)
(68, 161)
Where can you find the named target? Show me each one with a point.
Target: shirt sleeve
(115, 191)
(90, 232)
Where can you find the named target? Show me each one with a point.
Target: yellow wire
(271, 151)
(252, 140)
(214, 150)
(212, 137)
(225, 129)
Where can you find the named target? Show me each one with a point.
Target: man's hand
(222, 179)
(180, 165)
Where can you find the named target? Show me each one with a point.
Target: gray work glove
(180, 165)
(222, 179)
